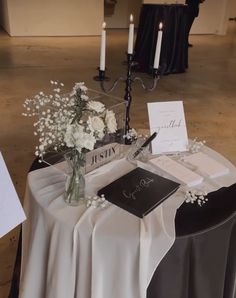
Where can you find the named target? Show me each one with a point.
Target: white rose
(83, 88)
(68, 141)
(80, 86)
(96, 124)
(73, 133)
(95, 106)
(68, 136)
(111, 121)
(77, 86)
(84, 97)
(101, 134)
(86, 141)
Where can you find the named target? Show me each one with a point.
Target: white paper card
(207, 165)
(173, 168)
(168, 120)
(11, 211)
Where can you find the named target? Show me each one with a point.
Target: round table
(111, 253)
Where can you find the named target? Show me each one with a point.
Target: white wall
(123, 9)
(4, 15)
(84, 17)
(120, 17)
(212, 17)
(232, 9)
(55, 17)
(135, 7)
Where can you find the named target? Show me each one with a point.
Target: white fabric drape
(76, 252)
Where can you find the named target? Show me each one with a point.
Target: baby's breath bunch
(196, 145)
(68, 121)
(131, 135)
(193, 195)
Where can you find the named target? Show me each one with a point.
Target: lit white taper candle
(158, 48)
(103, 48)
(131, 35)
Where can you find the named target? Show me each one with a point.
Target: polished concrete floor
(208, 90)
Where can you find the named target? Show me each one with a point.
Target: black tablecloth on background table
(174, 51)
(202, 261)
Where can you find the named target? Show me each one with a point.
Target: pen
(145, 144)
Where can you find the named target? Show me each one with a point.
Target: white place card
(173, 168)
(102, 155)
(11, 211)
(168, 120)
(207, 165)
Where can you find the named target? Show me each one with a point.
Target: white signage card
(11, 211)
(173, 168)
(168, 120)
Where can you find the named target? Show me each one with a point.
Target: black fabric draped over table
(202, 261)
(174, 51)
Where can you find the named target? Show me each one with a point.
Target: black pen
(145, 144)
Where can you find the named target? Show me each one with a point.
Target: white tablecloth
(76, 252)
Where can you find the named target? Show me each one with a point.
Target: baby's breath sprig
(96, 201)
(196, 196)
(131, 135)
(196, 145)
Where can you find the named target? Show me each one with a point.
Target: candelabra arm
(108, 90)
(129, 79)
(152, 87)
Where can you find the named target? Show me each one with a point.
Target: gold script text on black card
(139, 191)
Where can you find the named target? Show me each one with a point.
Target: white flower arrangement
(71, 121)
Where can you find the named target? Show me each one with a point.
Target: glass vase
(75, 182)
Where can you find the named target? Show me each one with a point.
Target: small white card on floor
(173, 168)
(168, 120)
(11, 211)
(207, 165)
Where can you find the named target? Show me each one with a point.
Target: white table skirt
(79, 252)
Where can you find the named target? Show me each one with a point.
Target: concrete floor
(27, 65)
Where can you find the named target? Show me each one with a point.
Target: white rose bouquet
(69, 122)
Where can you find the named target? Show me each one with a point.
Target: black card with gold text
(139, 191)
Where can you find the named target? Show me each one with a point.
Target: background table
(174, 51)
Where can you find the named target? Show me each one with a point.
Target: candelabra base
(101, 76)
(100, 79)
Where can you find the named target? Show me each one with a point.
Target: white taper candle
(158, 48)
(103, 48)
(131, 36)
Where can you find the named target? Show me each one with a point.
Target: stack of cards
(207, 165)
(176, 170)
